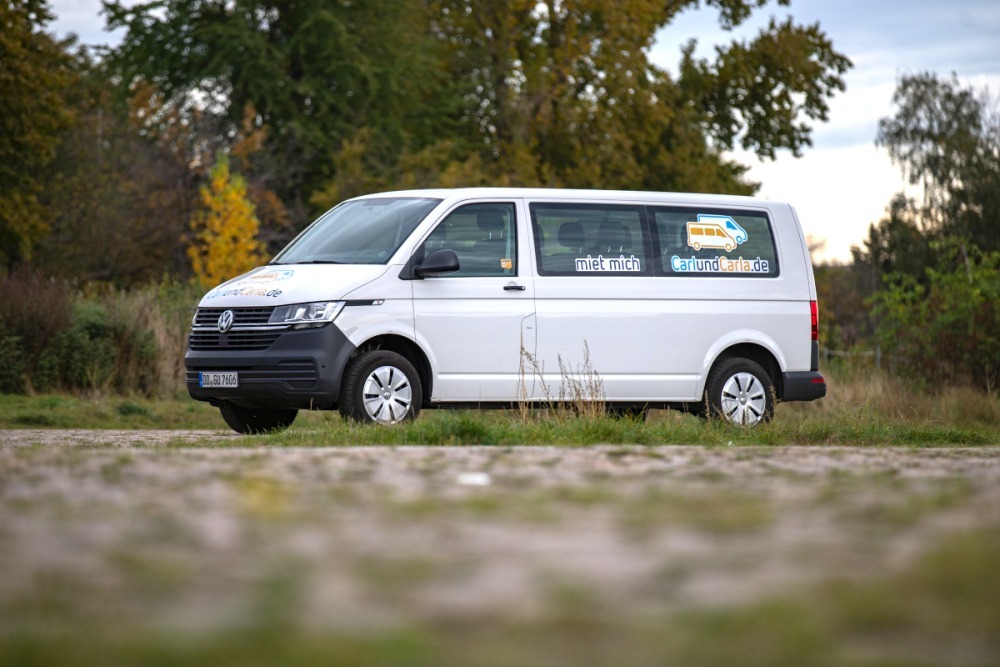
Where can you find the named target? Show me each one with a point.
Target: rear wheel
(382, 387)
(741, 392)
(256, 420)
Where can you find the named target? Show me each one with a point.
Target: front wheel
(382, 387)
(741, 392)
(249, 421)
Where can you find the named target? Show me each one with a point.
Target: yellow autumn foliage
(225, 243)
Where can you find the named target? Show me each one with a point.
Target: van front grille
(242, 317)
(236, 341)
(249, 332)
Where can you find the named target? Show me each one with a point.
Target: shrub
(948, 329)
(55, 339)
(82, 357)
(108, 346)
(33, 310)
(11, 363)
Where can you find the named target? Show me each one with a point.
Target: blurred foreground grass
(590, 556)
(942, 610)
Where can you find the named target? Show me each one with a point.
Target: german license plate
(219, 380)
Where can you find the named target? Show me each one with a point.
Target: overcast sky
(843, 183)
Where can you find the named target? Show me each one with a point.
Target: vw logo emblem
(225, 321)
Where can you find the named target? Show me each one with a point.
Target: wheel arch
(753, 351)
(409, 349)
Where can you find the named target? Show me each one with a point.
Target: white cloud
(837, 192)
(83, 18)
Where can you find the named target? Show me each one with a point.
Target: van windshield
(364, 231)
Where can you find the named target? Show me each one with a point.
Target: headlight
(306, 315)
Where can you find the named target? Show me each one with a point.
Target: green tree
(313, 71)
(899, 243)
(34, 71)
(946, 137)
(563, 93)
(225, 244)
(933, 265)
(842, 290)
(112, 188)
(500, 91)
(762, 94)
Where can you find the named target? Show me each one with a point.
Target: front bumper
(301, 370)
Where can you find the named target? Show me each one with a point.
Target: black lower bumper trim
(802, 386)
(301, 370)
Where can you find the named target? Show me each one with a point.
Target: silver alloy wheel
(743, 399)
(387, 395)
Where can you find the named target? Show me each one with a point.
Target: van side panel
(655, 338)
(381, 307)
(647, 347)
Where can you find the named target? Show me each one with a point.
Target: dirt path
(135, 525)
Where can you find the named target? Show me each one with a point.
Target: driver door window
(483, 236)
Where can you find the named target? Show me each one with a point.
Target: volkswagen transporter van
(392, 303)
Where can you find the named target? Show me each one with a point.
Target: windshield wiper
(308, 261)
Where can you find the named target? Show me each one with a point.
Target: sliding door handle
(513, 287)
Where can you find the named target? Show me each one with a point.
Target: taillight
(814, 314)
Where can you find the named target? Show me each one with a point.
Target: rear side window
(714, 242)
(590, 240)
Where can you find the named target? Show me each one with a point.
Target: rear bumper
(802, 386)
(301, 370)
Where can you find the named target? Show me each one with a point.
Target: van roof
(594, 195)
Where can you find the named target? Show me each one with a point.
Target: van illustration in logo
(269, 276)
(715, 231)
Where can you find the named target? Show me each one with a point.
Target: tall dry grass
(580, 392)
(897, 400)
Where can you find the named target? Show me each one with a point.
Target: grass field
(860, 410)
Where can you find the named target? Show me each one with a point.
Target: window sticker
(273, 275)
(717, 232)
(590, 264)
(506, 264)
(719, 264)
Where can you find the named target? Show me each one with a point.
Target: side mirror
(438, 262)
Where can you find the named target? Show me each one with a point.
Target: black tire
(740, 392)
(381, 387)
(249, 421)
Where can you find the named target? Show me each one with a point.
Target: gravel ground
(193, 531)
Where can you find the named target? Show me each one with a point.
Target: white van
(396, 302)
